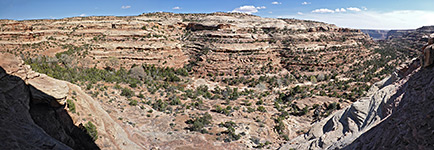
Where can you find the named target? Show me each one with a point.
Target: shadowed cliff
(411, 125)
(396, 114)
(32, 119)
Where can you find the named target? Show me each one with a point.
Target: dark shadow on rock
(411, 125)
(32, 119)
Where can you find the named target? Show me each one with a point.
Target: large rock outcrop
(405, 98)
(17, 128)
(34, 116)
(26, 125)
(411, 123)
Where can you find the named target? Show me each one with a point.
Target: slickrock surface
(28, 91)
(411, 121)
(396, 114)
(17, 128)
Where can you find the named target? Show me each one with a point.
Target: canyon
(203, 81)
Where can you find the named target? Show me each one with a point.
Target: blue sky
(366, 14)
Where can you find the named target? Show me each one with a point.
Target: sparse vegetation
(91, 130)
(198, 123)
(71, 105)
(127, 92)
(205, 80)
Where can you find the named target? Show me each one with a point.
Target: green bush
(133, 102)
(198, 123)
(250, 109)
(91, 130)
(133, 85)
(127, 92)
(226, 111)
(261, 109)
(71, 105)
(231, 135)
(159, 105)
(175, 101)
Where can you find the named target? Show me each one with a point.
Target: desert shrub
(261, 109)
(202, 89)
(127, 92)
(280, 127)
(91, 130)
(159, 105)
(234, 95)
(133, 85)
(174, 100)
(133, 102)
(260, 102)
(182, 72)
(198, 123)
(141, 95)
(250, 109)
(71, 105)
(230, 132)
(304, 111)
(74, 74)
(226, 111)
(333, 106)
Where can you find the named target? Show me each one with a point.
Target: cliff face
(376, 34)
(218, 42)
(395, 114)
(32, 119)
(410, 39)
(34, 115)
(410, 124)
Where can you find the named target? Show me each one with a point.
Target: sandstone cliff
(36, 103)
(216, 43)
(32, 119)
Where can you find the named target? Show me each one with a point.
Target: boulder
(17, 127)
(57, 89)
(42, 85)
(137, 72)
(429, 58)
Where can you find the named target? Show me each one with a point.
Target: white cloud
(248, 9)
(276, 3)
(126, 7)
(323, 10)
(176, 8)
(270, 12)
(299, 13)
(354, 9)
(364, 8)
(340, 10)
(82, 15)
(400, 19)
(305, 3)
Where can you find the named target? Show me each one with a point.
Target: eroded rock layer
(215, 43)
(394, 115)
